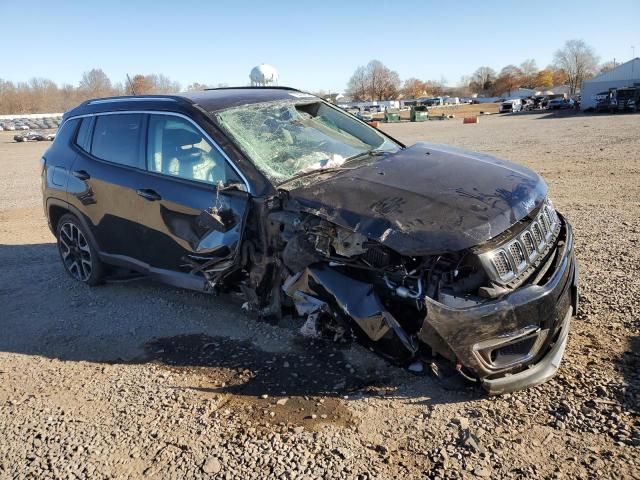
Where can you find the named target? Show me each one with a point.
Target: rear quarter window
(82, 139)
(59, 150)
(63, 136)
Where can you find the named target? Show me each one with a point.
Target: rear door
(104, 179)
(191, 203)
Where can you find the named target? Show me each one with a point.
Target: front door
(192, 203)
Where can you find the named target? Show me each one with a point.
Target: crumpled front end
(499, 312)
(515, 341)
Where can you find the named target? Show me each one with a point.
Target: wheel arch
(56, 209)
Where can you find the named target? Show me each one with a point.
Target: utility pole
(633, 51)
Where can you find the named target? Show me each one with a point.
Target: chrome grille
(529, 244)
(509, 261)
(501, 262)
(515, 249)
(537, 233)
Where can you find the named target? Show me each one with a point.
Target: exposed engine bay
(349, 286)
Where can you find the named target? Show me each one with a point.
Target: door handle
(81, 174)
(149, 194)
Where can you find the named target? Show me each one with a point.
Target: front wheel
(79, 257)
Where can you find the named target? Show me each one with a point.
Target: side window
(66, 132)
(82, 139)
(177, 148)
(116, 138)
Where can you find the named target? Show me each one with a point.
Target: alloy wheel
(75, 251)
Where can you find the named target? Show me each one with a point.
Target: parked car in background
(528, 104)
(510, 106)
(365, 116)
(34, 136)
(9, 127)
(275, 194)
(559, 104)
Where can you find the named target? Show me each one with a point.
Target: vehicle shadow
(629, 365)
(555, 114)
(47, 313)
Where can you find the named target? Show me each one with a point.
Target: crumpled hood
(426, 199)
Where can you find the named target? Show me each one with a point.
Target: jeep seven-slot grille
(501, 261)
(517, 253)
(529, 244)
(509, 261)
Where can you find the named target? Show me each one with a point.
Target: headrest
(181, 137)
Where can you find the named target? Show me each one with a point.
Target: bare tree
(357, 88)
(579, 62)
(195, 86)
(482, 79)
(434, 87)
(383, 82)
(606, 66)
(163, 84)
(95, 83)
(529, 72)
(140, 84)
(374, 81)
(8, 97)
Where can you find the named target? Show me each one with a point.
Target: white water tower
(263, 75)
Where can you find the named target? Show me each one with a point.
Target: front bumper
(518, 340)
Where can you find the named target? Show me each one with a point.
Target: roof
(220, 98)
(210, 100)
(626, 71)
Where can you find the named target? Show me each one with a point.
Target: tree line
(41, 95)
(572, 64)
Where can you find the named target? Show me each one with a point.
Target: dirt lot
(139, 379)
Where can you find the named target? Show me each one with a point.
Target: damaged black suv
(273, 193)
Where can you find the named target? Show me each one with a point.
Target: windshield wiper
(314, 172)
(367, 153)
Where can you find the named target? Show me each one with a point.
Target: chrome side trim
(173, 114)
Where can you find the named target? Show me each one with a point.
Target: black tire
(78, 254)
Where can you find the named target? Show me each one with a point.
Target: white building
(624, 75)
(518, 93)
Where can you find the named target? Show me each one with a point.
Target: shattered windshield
(285, 139)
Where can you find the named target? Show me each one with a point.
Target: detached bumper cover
(518, 340)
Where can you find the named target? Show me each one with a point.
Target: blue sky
(314, 44)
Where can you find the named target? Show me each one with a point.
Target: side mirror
(223, 187)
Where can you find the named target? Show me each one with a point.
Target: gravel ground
(143, 380)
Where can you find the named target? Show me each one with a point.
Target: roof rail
(137, 98)
(276, 87)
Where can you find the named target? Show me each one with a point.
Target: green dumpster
(419, 113)
(391, 116)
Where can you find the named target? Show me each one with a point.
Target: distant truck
(626, 99)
